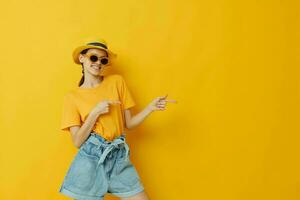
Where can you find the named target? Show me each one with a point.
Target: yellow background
(233, 67)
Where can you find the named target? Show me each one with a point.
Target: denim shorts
(99, 167)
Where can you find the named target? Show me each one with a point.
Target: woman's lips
(96, 67)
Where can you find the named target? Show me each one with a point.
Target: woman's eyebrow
(99, 56)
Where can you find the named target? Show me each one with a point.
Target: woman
(96, 114)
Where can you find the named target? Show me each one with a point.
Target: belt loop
(127, 152)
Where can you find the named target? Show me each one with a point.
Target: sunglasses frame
(98, 58)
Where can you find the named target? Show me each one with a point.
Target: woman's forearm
(138, 118)
(86, 128)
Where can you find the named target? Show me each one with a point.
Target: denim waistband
(108, 145)
(98, 139)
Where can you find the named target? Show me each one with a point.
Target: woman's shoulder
(69, 94)
(114, 77)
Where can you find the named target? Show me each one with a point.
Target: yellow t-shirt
(79, 102)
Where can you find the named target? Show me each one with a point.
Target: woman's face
(94, 68)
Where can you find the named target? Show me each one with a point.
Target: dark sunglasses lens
(94, 58)
(104, 61)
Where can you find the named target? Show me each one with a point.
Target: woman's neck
(92, 81)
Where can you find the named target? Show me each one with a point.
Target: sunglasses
(94, 58)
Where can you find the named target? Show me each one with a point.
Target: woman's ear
(81, 58)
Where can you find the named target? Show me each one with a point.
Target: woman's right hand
(103, 106)
(159, 103)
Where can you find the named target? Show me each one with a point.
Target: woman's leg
(140, 196)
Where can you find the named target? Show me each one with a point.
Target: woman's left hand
(159, 103)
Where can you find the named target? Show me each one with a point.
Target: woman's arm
(132, 122)
(158, 103)
(81, 133)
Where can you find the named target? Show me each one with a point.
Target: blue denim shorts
(99, 167)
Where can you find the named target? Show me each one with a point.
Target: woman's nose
(98, 62)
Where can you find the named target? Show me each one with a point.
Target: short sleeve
(70, 114)
(125, 95)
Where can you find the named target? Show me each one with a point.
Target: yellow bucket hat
(98, 43)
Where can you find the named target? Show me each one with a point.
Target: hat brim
(77, 51)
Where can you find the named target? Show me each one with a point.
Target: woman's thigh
(140, 196)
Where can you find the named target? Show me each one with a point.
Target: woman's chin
(95, 72)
